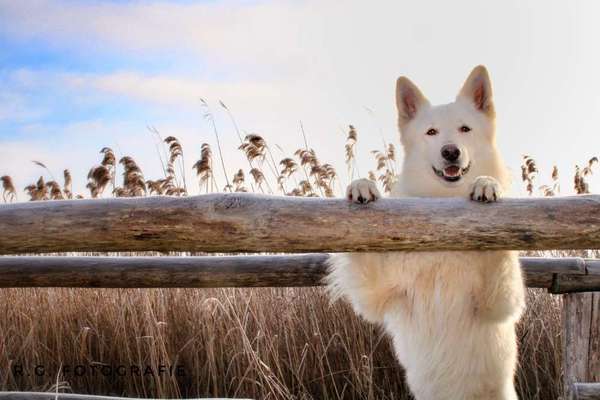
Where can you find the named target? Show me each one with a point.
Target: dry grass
(540, 350)
(258, 343)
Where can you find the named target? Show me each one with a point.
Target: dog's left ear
(478, 90)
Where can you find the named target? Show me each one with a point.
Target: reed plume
(175, 152)
(109, 159)
(175, 191)
(255, 147)
(165, 187)
(68, 183)
(529, 173)
(259, 177)
(381, 159)
(250, 153)
(203, 167)
(554, 188)
(308, 159)
(156, 187)
(324, 176)
(101, 175)
(387, 180)
(351, 140)
(580, 184)
(8, 189)
(385, 167)
(134, 184)
(98, 178)
(304, 189)
(289, 167)
(238, 181)
(37, 191)
(55, 191)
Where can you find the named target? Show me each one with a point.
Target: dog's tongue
(452, 170)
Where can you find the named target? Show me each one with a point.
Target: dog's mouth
(452, 173)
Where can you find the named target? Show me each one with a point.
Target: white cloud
(172, 90)
(243, 32)
(14, 108)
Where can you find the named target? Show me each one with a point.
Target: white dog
(451, 315)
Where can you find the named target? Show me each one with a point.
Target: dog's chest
(437, 286)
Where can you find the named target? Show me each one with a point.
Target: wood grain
(577, 337)
(586, 391)
(226, 271)
(241, 222)
(594, 345)
(64, 396)
(155, 272)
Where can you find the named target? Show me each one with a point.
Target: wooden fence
(244, 223)
(558, 275)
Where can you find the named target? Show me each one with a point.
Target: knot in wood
(230, 201)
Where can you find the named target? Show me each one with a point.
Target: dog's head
(450, 144)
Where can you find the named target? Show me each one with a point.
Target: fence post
(581, 341)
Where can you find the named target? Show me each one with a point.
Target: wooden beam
(581, 334)
(564, 283)
(156, 272)
(223, 271)
(581, 349)
(65, 396)
(585, 391)
(238, 222)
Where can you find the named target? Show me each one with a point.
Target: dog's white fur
(451, 315)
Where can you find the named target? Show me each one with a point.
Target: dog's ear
(409, 100)
(478, 90)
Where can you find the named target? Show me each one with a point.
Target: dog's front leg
(360, 277)
(503, 292)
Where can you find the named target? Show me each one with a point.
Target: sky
(76, 76)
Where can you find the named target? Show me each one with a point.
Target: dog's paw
(485, 189)
(362, 191)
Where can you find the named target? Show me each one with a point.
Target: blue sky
(76, 76)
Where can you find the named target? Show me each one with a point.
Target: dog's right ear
(409, 100)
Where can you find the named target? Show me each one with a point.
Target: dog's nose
(450, 152)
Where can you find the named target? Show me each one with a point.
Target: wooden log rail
(585, 391)
(558, 275)
(237, 222)
(67, 396)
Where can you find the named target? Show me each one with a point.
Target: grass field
(258, 343)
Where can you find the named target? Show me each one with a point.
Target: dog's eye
(432, 132)
(464, 128)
